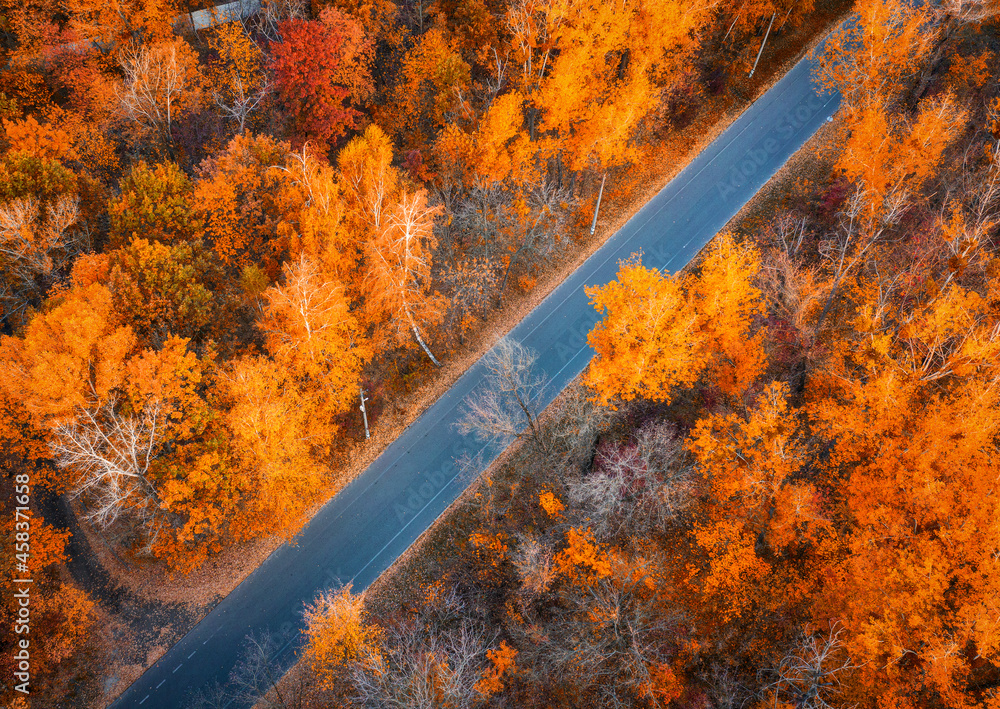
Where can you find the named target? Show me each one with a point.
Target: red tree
(323, 69)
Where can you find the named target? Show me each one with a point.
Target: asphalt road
(359, 533)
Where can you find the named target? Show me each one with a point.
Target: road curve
(362, 530)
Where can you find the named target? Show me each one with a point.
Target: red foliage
(323, 70)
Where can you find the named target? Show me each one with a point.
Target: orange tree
(664, 332)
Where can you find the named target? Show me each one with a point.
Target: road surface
(360, 532)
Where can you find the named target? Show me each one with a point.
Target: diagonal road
(360, 532)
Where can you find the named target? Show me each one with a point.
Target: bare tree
(471, 286)
(213, 696)
(258, 679)
(533, 561)
(239, 101)
(111, 455)
(808, 675)
(31, 239)
(606, 639)
(636, 487)
(254, 680)
(424, 670)
(725, 689)
(35, 241)
(859, 232)
(494, 232)
(792, 288)
(274, 12)
(505, 406)
(155, 85)
(577, 423)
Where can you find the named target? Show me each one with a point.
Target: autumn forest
(776, 485)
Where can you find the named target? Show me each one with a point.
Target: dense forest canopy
(779, 485)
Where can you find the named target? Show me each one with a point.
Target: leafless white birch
(859, 232)
(111, 454)
(809, 675)
(238, 102)
(274, 12)
(154, 86)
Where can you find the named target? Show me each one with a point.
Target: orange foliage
(279, 434)
(236, 195)
(551, 504)
(148, 20)
(891, 158)
(160, 290)
(661, 332)
(338, 634)
(759, 513)
(68, 615)
(502, 663)
(492, 549)
(71, 354)
(44, 141)
(582, 560)
(571, 70)
(429, 96)
(911, 409)
(237, 77)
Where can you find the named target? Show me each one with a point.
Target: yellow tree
(71, 354)
(339, 635)
(370, 181)
(591, 71)
(910, 407)
(236, 77)
(399, 270)
(311, 332)
(645, 344)
(874, 58)
(279, 435)
(315, 220)
(729, 305)
(660, 332)
(890, 157)
(397, 228)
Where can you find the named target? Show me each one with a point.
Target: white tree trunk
(416, 333)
